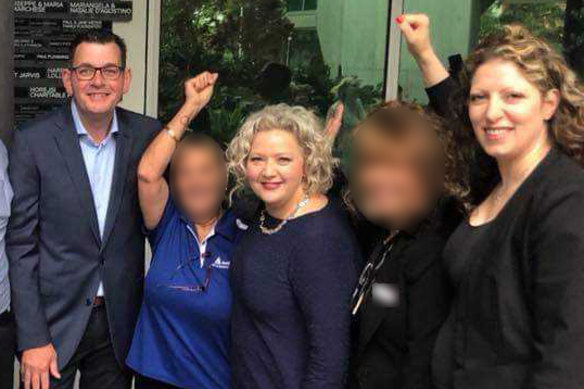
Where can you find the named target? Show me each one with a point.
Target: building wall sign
(43, 34)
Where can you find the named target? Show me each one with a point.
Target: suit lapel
(68, 144)
(124, 143)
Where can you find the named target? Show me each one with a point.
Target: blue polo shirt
(183, 336)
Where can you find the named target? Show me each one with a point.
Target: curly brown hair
(547, 70)
(405, 117)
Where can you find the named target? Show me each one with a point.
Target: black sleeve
(22, 247)
(556, 259)
(440, 95)
(428, 300)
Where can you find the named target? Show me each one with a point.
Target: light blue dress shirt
(99, 162)
(5, 199)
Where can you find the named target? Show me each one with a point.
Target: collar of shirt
(202, 243)
(82, 132)
(224, 227)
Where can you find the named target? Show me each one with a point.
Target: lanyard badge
(367, 277)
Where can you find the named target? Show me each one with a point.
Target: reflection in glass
(560, 22)
(267, 52)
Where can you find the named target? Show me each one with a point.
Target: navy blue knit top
(292, 291)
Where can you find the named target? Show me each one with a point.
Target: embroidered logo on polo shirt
(221, 264)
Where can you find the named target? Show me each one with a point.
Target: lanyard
(367, 277)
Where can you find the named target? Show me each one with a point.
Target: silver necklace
(271, 231)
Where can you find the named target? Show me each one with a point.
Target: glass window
(457, 27)
(310, 4)
(304, 49)
(266, 54)
(302, 5)
(295, 5)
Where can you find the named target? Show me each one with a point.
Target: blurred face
(385, 181)
(275, 169)
(101, 93)
(199, 180)
(507, 112)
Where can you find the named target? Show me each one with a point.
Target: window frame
(303, 7)
(393, 48)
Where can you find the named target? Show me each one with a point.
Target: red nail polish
(400, 19)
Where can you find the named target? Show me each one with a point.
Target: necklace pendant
(271, 231)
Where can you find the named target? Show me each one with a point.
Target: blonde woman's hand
(334, 122)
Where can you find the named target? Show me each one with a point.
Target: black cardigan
(518, 317)
(393, 343)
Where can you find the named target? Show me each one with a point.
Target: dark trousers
(94, 359)
(148, 383)
(7, 350)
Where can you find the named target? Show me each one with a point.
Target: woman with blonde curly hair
(295, 269)
(517, 261)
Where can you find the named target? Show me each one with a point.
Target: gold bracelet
(171, 134)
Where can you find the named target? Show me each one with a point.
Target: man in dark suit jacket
(74, 241)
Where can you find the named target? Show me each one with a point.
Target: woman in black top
(403, 178)
(517, 261)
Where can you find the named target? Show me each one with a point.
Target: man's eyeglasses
(87, 73)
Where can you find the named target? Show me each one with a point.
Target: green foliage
(559, 22)
(544, 19)
(224, 123)
(237, 38)
(228, 36)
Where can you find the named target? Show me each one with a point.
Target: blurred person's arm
(334, 122)
(153, 190)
